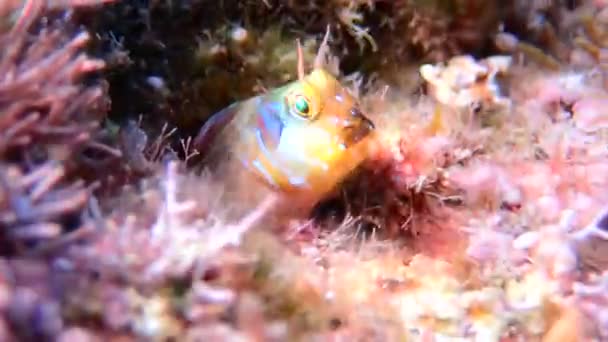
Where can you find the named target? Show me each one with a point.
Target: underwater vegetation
(280, 170)
(50, 120)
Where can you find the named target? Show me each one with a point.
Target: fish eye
(301, 106)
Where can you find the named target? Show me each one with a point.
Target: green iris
(302, 105)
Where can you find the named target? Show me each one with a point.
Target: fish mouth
(357, 128)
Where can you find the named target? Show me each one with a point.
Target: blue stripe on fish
(270, 124)
(294, 180)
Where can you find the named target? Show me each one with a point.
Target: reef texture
(49, 119)
(481, 213)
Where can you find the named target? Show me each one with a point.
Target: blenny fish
(301, 139)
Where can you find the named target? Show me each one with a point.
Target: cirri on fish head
(306, 136)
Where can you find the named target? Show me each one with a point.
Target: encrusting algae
(473, 208)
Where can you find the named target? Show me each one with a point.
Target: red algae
(479, 214)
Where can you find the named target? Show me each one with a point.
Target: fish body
(300, 140)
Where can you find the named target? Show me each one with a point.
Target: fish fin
(213, 127)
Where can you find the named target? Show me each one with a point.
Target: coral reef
(237, 49)
(479, 214)
(48, 119)
(558, 35)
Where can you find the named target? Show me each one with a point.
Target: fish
(300, 139)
